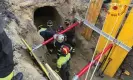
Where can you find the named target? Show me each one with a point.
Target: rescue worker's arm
(59, 65)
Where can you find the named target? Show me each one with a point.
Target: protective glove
(56, 71)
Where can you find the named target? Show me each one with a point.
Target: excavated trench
(41, 16)
(84, 49)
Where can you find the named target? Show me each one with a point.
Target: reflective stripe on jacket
(9, 77)
(6, 55)
(63, 60)
(42, 29)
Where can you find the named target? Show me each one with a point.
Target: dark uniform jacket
(6, 53)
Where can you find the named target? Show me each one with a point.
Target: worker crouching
(63, 64)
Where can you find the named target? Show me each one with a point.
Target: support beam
(105, 35)
(90, 64)
(93, 11)
(114, 19)
(118, 54)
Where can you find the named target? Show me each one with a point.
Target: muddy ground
(26, 27)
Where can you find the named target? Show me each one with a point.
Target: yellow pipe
(39, 62)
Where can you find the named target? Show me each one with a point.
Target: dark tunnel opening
(43, 14)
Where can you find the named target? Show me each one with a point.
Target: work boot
(19, 76)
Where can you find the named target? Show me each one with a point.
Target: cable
(91, 62)
(91, 59)
(104, 49)
(95, 53)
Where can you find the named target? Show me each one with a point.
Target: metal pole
(83, 71)
(49, 40)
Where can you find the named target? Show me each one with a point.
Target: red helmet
(65, 49)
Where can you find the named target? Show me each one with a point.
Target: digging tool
(52, 38)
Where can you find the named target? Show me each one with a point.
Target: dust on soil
(24, 11)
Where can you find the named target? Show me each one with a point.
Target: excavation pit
(41, 16)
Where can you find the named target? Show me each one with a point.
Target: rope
(91, 60)
(104, 49)
(100, 55)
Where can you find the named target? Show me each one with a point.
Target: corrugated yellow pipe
(39, 62)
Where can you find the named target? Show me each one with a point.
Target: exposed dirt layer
(24, 16)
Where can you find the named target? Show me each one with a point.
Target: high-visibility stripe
(42, 29)
(9, 77)
(62, 60)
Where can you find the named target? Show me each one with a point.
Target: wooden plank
(118, 54)
(93, 12)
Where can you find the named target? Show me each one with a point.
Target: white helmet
(60, 38)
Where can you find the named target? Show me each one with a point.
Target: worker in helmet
(63, 62)
(47, 33)
(67, 22)
(50, 25)
(70, 34)
(6, 56)
(59, 40)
